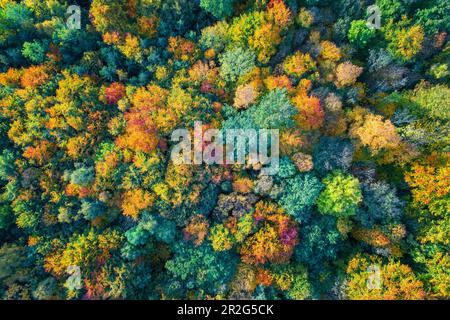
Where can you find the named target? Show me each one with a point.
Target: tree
(292, 279)
(360, 34)
(27, 215)
(34, 76)
(201, 268)
(114, 93)
(13, 260)
(46, 289)
(435, 274)
(140, 133)
(391, 9)
(6, 217)
(310, 112)
(109, 15)
(329, 51)
(88, 251)
(82, 176)
(244, 227)
(320, 242)
(264, 41)
(279, 13)
(196, 230)
(221, 238)
(299, 195)
(305, 18)
(92, 209)
(235, 63)
(332, 154)
(34, 51)
(7, 164)
(136, 200)
(220, 9)
(360, 117)
(16, 19)
(245, 95)
(215, 37)
(396, 280)
(300, 288)
(303, 162)
(265, 246)
(433, 17)
(430, 206)
(430, 101)
(429, 184)
(341, 196)
(274, 241)
(273, 111)
(243, 26)
(381, 205)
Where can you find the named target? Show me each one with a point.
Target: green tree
(274, 111)
(236, 62)
(391, 9)
(34, 51)
(299, 195)
(360, 34)
(341, 196)
(434, 17)
(201, 268)
(431, 101)
(218, 8)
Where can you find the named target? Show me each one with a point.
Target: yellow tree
(298, 64)
(372, 131)
(265, 40)
(368, 278)
(404, 42)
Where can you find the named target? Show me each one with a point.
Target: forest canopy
(93, 207)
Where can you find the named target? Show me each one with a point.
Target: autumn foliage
(96, 204)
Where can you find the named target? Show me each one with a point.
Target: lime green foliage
(434, 16)
(341, 196)
(274, 111)
(300, 194)
(360, 34)
(390, 9)
(221, 238)
(34, 51)
(439, 71)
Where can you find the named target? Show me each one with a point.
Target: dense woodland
(86, 180)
